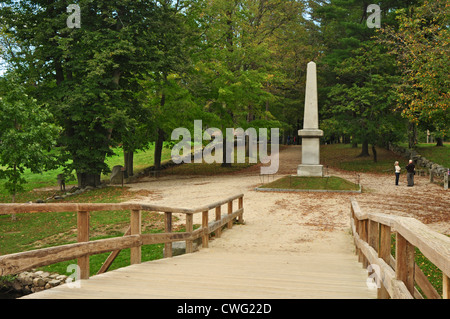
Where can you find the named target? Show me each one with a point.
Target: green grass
(313, 183)
(142, 160)
(439, 155)
(343, 156)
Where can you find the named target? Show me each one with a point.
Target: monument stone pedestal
(310, 133)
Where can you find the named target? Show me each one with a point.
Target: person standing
(410, 171)
(397, 172)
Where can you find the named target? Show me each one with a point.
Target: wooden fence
(399, 276)
(133, 238)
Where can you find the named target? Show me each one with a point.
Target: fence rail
(133, 238)
(398, 276)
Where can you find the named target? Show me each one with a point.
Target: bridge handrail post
(218, 218)
(230, 211)
(135, 229)
(168, 229)
(205, 236)
(83, 236)
(189, 229)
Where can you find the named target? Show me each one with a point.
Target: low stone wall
(33, 281)
(422, 164)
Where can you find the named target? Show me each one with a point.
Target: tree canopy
(133, 71)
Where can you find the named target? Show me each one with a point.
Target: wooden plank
(205, 237)
(218, 203)
(445, 287)
(424, 284)
(189, 229)
(241, 206)
(16, 263)
(214, 274)
(434, 246)
(384, 252)
(396, 288)
(83, 236)
(112, 256)
(168, 229)
(230, 211)
(357, 210)
(374, 235)
(135, 228)
(64, 207)
(213, 226)
(218, 232)
(365, 237)
(404, 268)
(164, 238)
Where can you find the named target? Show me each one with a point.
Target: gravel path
(299, 222)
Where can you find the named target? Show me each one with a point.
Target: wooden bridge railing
(133, 239)
(398, 277)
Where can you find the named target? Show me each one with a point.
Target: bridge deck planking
(216, 274)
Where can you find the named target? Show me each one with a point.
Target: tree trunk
(129, 162)
(439, 141)
(87, 179)
(224, 150)
(13, 215)
(374, 151)
(412, 135)
(364, 149)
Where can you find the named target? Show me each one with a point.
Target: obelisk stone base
(310, 170)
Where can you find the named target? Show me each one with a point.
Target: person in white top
(397, 172)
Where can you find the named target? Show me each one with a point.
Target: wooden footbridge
(215, 273)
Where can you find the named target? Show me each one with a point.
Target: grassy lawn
(316, 183)
(439, 155)
(142, 160)
(343, 156)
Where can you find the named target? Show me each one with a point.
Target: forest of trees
(135, 70)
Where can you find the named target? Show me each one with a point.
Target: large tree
(89, 76)
(27, 135)
(421, 47)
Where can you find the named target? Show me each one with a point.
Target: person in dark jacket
(410, 171)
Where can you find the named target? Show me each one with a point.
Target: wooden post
(230, 211)
(374, 234)
(189, 229)
(384, 252)
(83, 236)
(168, 229)
(364, 236)
(241, 205)
(218, 217)
(445, 287)
(404, 267)
(135, 229)
(205, 229)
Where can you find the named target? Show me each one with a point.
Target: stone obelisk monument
(310, 133)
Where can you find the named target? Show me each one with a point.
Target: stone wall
(32, 281)
(438, 171)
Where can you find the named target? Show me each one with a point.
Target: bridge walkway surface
(216, 274)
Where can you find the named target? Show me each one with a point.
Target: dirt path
(300, 222)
